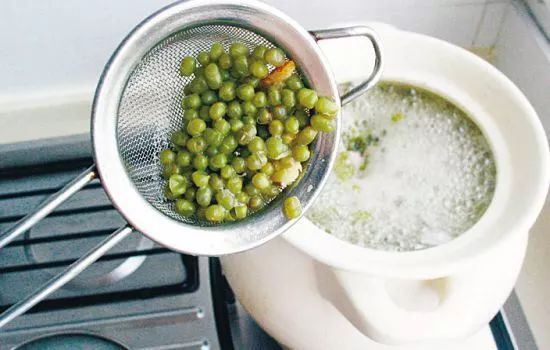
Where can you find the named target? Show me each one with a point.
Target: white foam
(429, 179)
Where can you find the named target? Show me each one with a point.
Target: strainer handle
(47, 206)
(64, 277)
(351, 32)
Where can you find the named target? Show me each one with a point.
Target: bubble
(430, 178)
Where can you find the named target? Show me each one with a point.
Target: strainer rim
(116, 180)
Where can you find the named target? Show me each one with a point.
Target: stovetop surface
(139, 294)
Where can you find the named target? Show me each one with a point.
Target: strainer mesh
(150, 109)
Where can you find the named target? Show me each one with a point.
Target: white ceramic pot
(310, 290)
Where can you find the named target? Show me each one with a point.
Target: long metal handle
(47, 206)
(349, 32)
(60, 280)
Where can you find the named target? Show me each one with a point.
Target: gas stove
(139, 294)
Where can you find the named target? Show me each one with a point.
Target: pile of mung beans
(246, 133)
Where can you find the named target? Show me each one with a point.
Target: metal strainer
(137, 107)
(150, 110)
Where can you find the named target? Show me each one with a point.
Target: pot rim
(496, 99)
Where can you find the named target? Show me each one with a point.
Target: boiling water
(413, 172)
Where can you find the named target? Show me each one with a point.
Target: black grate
(76, 226)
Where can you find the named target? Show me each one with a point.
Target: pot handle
(369, 304)
(354, 31)
(397, 312)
